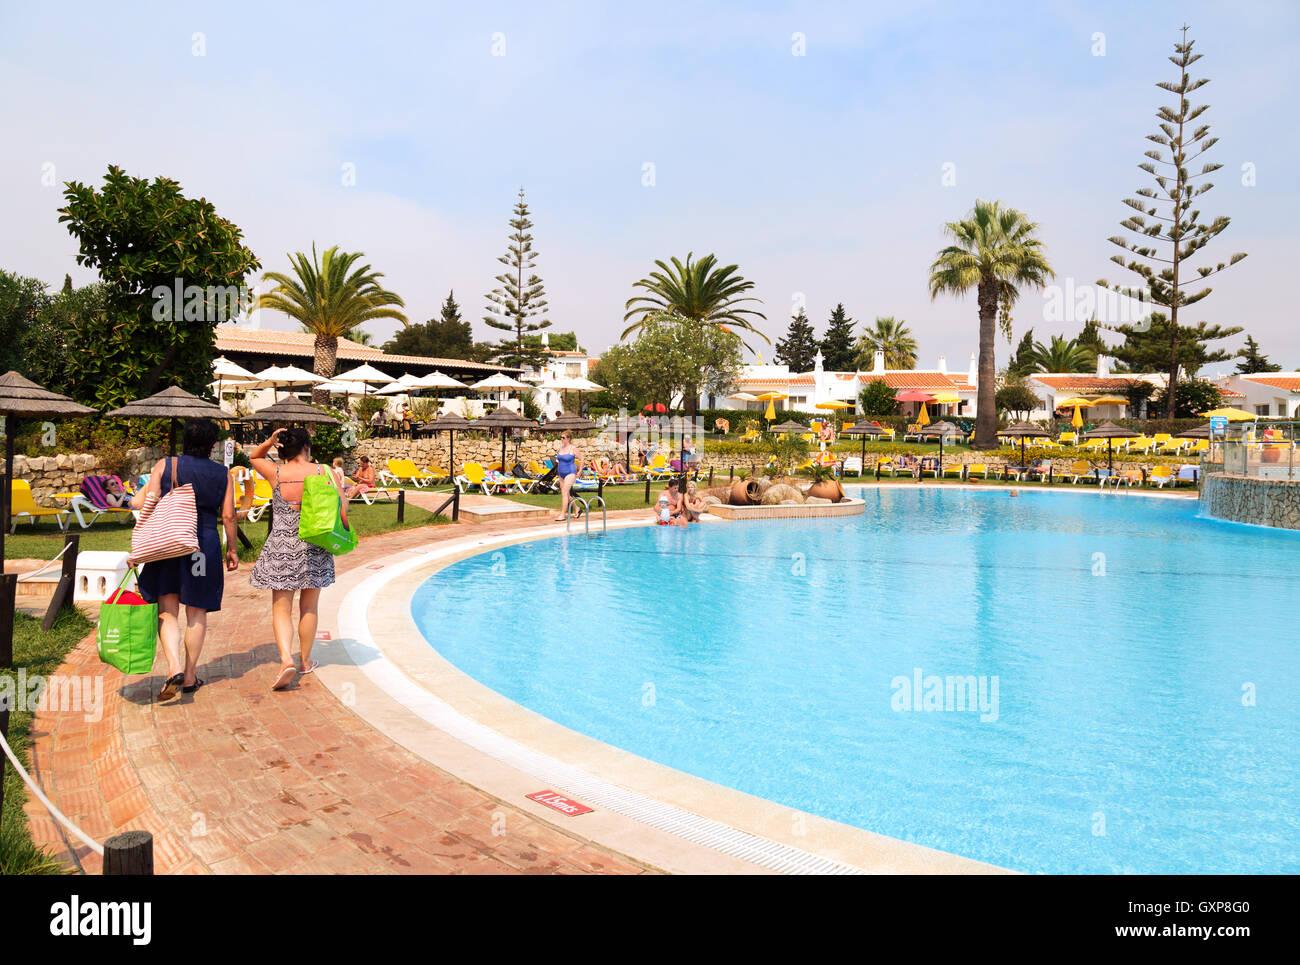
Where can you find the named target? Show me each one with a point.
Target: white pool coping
(389, 674)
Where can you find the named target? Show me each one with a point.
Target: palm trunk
(327, 351)
(986, 416)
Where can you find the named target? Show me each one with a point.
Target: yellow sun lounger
(22, 505)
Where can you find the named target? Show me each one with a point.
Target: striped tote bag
(167, 528)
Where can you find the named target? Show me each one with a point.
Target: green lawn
(40, 653)
(43, 540)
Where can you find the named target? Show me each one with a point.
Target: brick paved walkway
(237, 779)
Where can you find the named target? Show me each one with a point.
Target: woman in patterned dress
(288, 565)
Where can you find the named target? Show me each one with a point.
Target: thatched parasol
(795, 427)
(450, 424)
(292, 410)
(939, 429)
(1023, 430)
(864, 431)
(570, 422)
(505, 420)
(22, 398)
(172, 403)
(1109, 431)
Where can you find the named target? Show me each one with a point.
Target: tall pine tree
(799, 347)
(1162, 250)
(839, 347)
(518, 306)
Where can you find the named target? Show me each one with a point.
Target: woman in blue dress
(195, 582)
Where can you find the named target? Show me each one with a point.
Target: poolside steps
(491, 509)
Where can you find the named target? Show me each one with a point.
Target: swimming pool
(1132, 668)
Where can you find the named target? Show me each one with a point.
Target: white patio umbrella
(500, 383)
(346, 387)
(404, 384)
(368, 374)
(227, 371)
(437, 380)
(285, 377)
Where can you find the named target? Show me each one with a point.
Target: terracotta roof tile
(1086, 383)
(1288, 383)
(912, 380)
(236, 338)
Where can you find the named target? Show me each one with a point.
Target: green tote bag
(320, 521)
(127, 635)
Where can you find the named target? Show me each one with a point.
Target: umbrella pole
(1110, 453)
(171, 438)
(6, 497)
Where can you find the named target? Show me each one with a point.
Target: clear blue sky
(818, 174)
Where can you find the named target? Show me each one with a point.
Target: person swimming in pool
(568, 460)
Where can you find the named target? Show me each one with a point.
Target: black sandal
(198, 682)
(169, 689)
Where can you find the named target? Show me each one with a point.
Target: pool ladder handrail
(586, 513)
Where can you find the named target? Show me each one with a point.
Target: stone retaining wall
(469, 448)
(63, 472)
(1250, 499)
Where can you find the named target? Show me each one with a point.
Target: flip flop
(310, 668)
(171, 687)
(198, 682)
(282, 681)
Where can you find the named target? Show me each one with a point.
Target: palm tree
(696, 292)
(994, 252)
(891, 336)
(329, 297)
(1063, 355)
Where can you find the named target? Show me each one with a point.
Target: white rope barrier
(49, 805)
(24, 577)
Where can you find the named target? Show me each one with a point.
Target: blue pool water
(1127, 637)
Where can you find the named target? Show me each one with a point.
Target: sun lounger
(23, 506)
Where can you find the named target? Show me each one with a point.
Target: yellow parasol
(1110, 400)
(770, 414)
(946, 398)
(923, 417)
(833, 405)
(1232, 415)
(1077, 420)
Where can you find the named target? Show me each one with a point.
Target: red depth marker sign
(559, 802)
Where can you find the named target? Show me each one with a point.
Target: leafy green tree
(22, 300)
(670, 358)
(71, 322)
(1192, 397)
(1022, 363)
(1090, 339)
(1163, 251)
(839, 353)
(877, 399)
(446, 337)
(330, 296)
(1253, 360)
(146, 240)
(555, 341)
(994, 252)
(1016, 397)
(1061, 355)
(799, 347)
(891, 336)
(518, 306)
